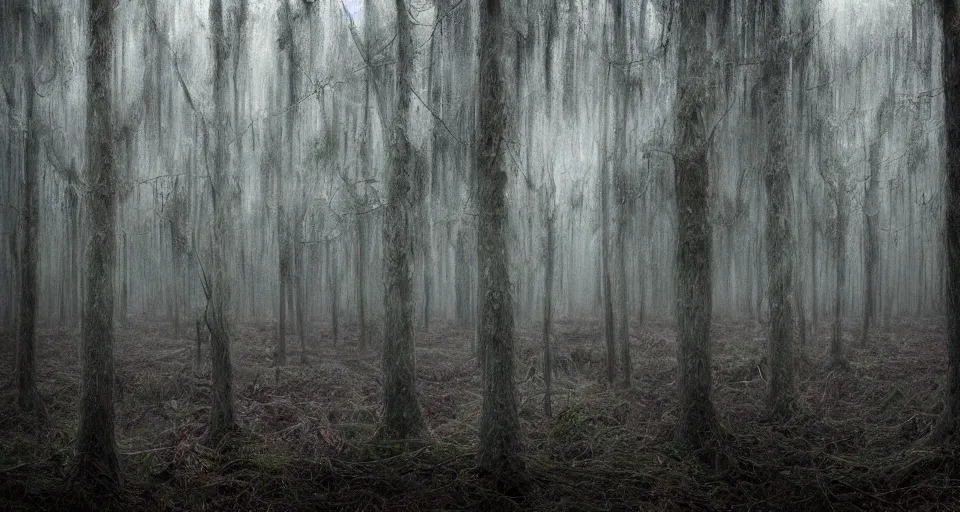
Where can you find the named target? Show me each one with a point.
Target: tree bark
(605, 282)
(403, 418)
(27, 398)
(500, 443)
(624, 201)
(548, 310)
(949, 424)
(872, 243)
(692, 178)
(837, 357)
(779, 237)
(283, 234)
(222, 410)
(97, 466)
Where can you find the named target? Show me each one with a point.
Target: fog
(316, 132)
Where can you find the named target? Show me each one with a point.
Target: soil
(307, 437)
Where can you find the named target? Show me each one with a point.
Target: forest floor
(307, 439)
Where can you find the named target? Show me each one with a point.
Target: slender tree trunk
(334, 293)
(362, 279)
(98, 469)
(500, 443)
(283, 270)
(814, 282)
(871, 210)
(624, 201)
(950, 422)
(222, 410)
(300, 295)
(838, 359)
(283, 232)
(692, 178)
(548, 311)
(27, 398)
(782, 396)
(609, 329)
(403, 418)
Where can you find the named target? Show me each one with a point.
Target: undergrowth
(307, 433)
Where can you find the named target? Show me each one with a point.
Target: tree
(284, 249)
(218, 293)
(27, 398)
(605, 281)
(837, 188)
(97, 466)
(625, 198)
(949, 424)
(779, 235)
(871, 213)
(550, 224)
(500, 444)
(692, 178)
(402, 416)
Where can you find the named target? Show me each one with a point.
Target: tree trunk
(222, 409)
(334, 293)
(871, 210)
(609, 329)
(838, 359)
(98, 469)
(403, 418)
(362, 279)
(548, 311)
(779, 237)
(500, 444)
(27, 398)
(950, 422)
(300, 293)
(283, 234)
(624, 201)
(692, 178)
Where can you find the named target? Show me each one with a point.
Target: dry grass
(307, 431)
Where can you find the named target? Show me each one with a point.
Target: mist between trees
(487, 164)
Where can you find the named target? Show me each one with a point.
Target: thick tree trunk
(779, 237)
(500, 443)
(27, 398)
(402, 417)
(950, 422)
(692, 178)
(98, 469)
(222, 409)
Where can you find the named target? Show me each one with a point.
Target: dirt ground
(307, 438)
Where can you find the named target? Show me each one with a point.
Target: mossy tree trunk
(97, 465)
(403, 418)
(779, 236)
(692, 179)
(500, 442)
(950, 422)
(27, 398)
(222, 416)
